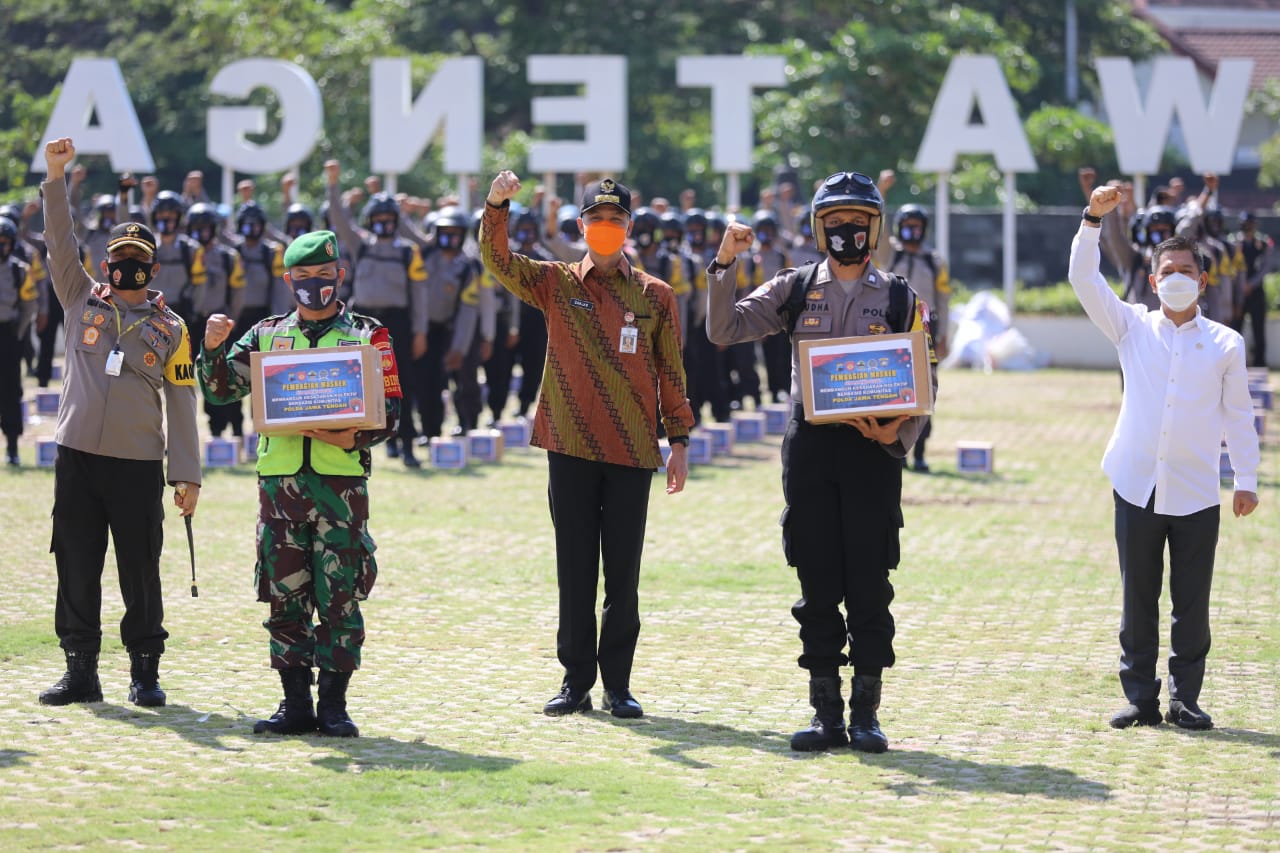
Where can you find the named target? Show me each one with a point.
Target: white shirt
(1185, 389)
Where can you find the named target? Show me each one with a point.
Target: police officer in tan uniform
(843, 481)
(125, 351)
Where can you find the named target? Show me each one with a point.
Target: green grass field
(1007, 608)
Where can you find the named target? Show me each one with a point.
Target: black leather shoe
(1187, 715)
(1144, 714)
(568, 702)
(622, 704)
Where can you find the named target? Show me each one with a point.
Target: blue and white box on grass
(776, 418)
(748, 426)
(47, 402)
(515, 434)
(221, 453)
(250, 449)
(46, 452)
(699, 448)
(485, 445)
(1226, 473)
(448, 452)
(665, 450)
(721, 438)
(975, 457)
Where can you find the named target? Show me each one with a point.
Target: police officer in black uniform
(842, 481)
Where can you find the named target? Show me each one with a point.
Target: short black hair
(1177, 244)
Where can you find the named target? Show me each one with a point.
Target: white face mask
(1178, 292)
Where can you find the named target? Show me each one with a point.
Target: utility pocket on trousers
(785, 522)
(367, 571)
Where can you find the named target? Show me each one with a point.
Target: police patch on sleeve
(179, 370)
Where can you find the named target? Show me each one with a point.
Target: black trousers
(93, 495)
(598, 510)
(1141, 534)
(740, 372)
(777, 364)
(431, 380)
(10, 380)
(840, 531)
(532, 354)
(1255, 308)
(497, 370)
(49, 342)
(468, 401)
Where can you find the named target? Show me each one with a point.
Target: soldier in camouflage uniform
(315, 554)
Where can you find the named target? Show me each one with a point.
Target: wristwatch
(1090, 218)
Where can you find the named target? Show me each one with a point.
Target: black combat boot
(295, 715)
(144, 679)
(864, 728)
(331, 710)
(827, 728)
(78, 684)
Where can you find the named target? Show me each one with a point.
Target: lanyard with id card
(115, 358)
(630, 338)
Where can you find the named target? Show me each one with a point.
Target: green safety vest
(282, 455)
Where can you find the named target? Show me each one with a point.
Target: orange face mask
(605, 238)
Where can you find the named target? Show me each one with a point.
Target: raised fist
(504, 187)
(331, 168)
(217, 330)
(58, 153)
(887, 179)
(1103, 200)
(738, 238)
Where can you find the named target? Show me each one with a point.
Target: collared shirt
(598, 401)
(1185, 388)
(120, 416)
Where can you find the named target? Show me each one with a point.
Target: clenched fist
(217, 330)
(1103, 200)
(331, 168)
(504, 187)
(738, 238)
(58, 153)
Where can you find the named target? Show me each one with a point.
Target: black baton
(191, 546)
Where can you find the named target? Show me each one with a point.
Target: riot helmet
(381, 214)
(251, 220)
(167, 212)
(298, 220)
(847, 191)
(202, 222)
(911, 223)
(451, 226)
(644, 228)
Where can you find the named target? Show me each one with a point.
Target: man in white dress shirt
(1185, 388)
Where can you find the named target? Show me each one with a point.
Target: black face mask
(107, 223)
(524, 236)
(644, 239)
(384, 228)
(6, 249)
(697, 239)
(202, 235)
(166, 226)
(129, 274)
(849, 243)
(764, 237)
(910, 234)
(315, 293)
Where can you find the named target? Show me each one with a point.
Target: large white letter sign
(731, 79)
(973, 79)
(301, 116)
(400, 128)
(1141, 132)
(96, 85)
(601, 110)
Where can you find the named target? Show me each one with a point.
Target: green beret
(312, 249)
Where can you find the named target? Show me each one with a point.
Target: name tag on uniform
(581, 303)
(629, 340)
(115, 361)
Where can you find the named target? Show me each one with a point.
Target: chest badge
(149, 359)
(810, 322)
(280, 342)
(878, 328)
(629, 317)
(90, 336)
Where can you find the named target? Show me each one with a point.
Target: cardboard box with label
(870, 375)
(323, 388)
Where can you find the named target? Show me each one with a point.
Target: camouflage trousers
(321, 568)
